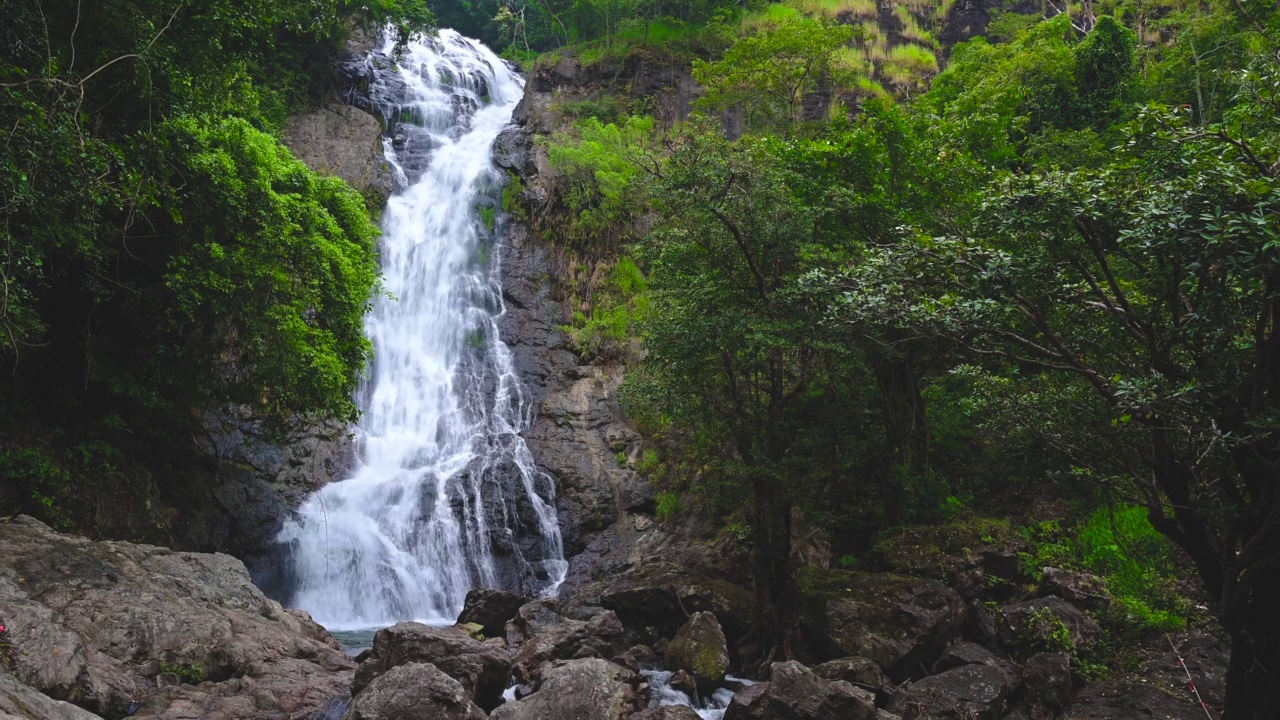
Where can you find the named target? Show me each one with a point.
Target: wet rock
(699, 648)
(590, 689)
(95, 623)
(416, 691)
(901, 623)
(19, 701)
(483, 669)
(490, 609)
(544, 635)
(1046, 624)
(1046, 681)
(260, 481)
(634, 658)
(1118, 700)
(970, 692)
(794, 692)
(748, 703)
(684, 682)
(1082, 589)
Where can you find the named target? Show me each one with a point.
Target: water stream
(445, 496)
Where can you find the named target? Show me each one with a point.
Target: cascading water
(446, 496)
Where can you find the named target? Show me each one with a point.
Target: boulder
(590, 689)
(794, 692)
(1120, 700)
(900, 623)
(19, 701)
(969, 692)
(658, 594)
(1046, 679)
(699, 648)
(416, 691)
(1082, 589)
(859, 672)
(544, 635)
(1046, 624)
(483, 669)
(966, 653)
(100, 624)
(490, 609)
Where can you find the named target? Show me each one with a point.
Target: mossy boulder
(699, 648)
(901, 623)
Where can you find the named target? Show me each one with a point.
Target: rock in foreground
(105, 625)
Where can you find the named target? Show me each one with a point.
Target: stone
(659, 593)
(794, 692)
(483, 669)
(1120, 700)
(344, 141)
(1046, 624)
(1046, 679)
(96, 624)
(859, 672)
(964, 653)
(490, 609)
(748, 703)
(699, 648)
(901, 623)
(588, 689)
(544, 635)
(19, 701)
(1082, 589)
(416, 691)
(969, 692)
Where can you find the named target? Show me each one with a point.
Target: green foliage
(190, 674)
(1120, 545)
(600, 166)
(669, 505)
(769, 74)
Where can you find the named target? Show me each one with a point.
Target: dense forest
(875, 279)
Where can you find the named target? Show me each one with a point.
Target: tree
(731, 348)
(770, 74)
(1128, 317)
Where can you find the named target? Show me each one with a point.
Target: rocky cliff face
(259, 478)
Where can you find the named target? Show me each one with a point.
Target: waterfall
(445, 495)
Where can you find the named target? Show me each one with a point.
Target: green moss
(190, 674)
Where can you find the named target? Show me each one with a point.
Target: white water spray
(446, 495)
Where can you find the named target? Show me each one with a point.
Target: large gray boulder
(483, 668)
(699, 648)
(589, 689)
(105, 624)
(417, 691)
(901, 623)
(1048, 624)
(972, 692)
(19, 701)
(543, 635)
(794, 692)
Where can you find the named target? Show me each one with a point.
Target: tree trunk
(777, 611)
(1250, 614)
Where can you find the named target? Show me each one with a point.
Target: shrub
(669, 505)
